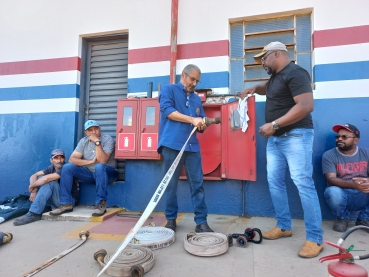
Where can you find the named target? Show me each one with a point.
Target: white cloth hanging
(242, 109)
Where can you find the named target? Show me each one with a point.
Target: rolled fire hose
(206, 244)
(134, 261)
(153, 237)
(150, 207)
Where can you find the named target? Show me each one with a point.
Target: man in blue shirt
(180, 111)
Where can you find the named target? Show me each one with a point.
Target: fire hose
(134, 261)
(206, 244)
(83, 236)
(153, 237)
(154, 200)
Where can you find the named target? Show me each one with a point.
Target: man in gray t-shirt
(91, 162)
(346, 170)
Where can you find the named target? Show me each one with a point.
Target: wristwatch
(275, 125)
(97, 143)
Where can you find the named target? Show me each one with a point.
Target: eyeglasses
(344, 137)
(192, 79)
(188, 101)
(263, 58)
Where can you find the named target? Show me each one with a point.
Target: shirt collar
(181, 86)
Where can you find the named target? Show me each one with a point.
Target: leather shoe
(310, 249)
(171, 224)
(202, 228)
(277, 233)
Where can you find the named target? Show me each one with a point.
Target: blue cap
(57, 152)
(90, 123)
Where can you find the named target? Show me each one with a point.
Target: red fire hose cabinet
(227, 152)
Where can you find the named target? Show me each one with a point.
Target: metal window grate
(294, 31)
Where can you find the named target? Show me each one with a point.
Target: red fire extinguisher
(345, 266)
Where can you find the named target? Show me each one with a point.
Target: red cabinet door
(239, 148)
(148, 129)
(127, 129)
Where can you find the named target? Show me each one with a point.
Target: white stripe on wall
(210, 64)
(40, 79)
(336, 89)
(155, 93)
(342, 54)
(55, 105)
(342, 89)
(141, 70)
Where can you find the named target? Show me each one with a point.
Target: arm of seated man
(76, 158)
(43, 180)
(355, 183)
(362, 184)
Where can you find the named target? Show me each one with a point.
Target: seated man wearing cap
(91, 162)
(346, 170)
(44, 189)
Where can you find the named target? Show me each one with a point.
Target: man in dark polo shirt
(290, 133)
(91, 162)
(180, 111)
(44, 189)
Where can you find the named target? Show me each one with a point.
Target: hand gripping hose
(150, 207)
(206, 244)
(153, 237)
(134, 261)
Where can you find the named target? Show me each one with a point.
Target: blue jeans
(342, 201)
(103, 175)
(47, 195)
(192, 163)
(294, 149)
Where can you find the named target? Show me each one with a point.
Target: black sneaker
(27, 218)
(363, 223)
(202, 228)
(340, 225)
(171, 224)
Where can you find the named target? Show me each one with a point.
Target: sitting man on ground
(91, 162)
(44, 189)
(346, 170)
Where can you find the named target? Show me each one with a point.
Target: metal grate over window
(249, 37)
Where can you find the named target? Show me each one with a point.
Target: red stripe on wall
(184, 51)
(41, 66)
(342, 36)
(149, 55)
(203, 49)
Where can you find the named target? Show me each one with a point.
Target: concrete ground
(40, 241)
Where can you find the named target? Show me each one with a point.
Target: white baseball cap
(275, 45)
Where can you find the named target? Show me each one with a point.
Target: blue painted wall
(27, 139)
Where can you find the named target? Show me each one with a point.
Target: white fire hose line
(150, 207)
(206, 244)
(137, 258)
(153, 237)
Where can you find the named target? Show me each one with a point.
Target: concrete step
(83, 213)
